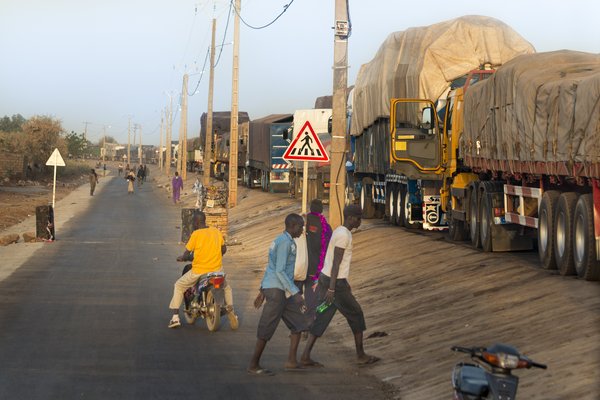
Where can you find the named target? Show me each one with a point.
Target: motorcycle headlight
(502, 360)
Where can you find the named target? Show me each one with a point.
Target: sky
(97, 64)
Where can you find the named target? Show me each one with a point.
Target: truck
(221, 127)
(265, 166)
(520, 160)
(397, 159)
(318, 172)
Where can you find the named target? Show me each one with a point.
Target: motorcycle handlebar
(538, 365)
(468, 350)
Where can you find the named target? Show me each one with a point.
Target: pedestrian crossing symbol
(306, 146)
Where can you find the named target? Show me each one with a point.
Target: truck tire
(457, 229)
(474, 218)
(366, 200)
(389, 201)
(405, 214)
(485, 221)
(563, 233)
(398, 204)
(545, 237)
(584, 240)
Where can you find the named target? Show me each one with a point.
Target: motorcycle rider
(208, 246)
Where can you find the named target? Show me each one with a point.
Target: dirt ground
(19, 202)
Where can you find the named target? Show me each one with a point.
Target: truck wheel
(389, 201)
(584, 240)
(366, 200)
(457, 230)
(485, 222)
(406, 211)
(473, 218)
(546, 228)
(398, 205)
(563, 233)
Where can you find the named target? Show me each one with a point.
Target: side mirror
(427, 118)
(286, 133)
(330, 125)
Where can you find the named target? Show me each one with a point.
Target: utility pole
(209, 114)
(160, 155)
(233, 137)
(85, 130)
(168, 144)
(104, 145)
(337, 195)
(182, 159)
(129, 143)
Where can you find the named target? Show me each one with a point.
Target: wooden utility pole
(168, 144)
(233, 135)
(337, 195)
(104, 145)
(129, 143)
(85, 130)
(160, 151)
(182, 158)
(209, 115)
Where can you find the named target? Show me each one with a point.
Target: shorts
(276, 308)
(343, 301)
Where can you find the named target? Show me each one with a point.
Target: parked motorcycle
(206, 299)
(495, 380)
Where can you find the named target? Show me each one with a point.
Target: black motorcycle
(495, 380)
(206, 299)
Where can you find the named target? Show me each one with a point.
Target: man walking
(277, 284)
(334, 290)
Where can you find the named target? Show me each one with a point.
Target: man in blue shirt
(283, 299)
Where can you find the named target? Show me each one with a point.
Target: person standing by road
(120, 169)
(335, 291)
(130, 179)
(93, 181)
(140, 175)
(208, 246)
(318, 233)
(177, 184)
(276, 285)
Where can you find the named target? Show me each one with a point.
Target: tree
(42, 135)
(109, 139)
(12, 124)
(76, 144)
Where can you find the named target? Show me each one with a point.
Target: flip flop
(261, 371)
(370, 360)
(313, 364)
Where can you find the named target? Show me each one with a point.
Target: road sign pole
(54, 186)
(304, 186)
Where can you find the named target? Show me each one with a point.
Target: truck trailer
(402, 178)
(265, 166)
(521, 160)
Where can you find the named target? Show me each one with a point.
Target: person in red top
(208, 246)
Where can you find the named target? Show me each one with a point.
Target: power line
(224, 35)
(285, 8)
(202, 73)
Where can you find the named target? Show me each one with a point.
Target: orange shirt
(206, 244)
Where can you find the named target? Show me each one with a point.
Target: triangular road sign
(56, 159)
(306, 146)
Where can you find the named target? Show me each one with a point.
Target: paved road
(85, 317)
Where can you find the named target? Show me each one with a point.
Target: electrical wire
(200, 80)
(285, 8)
(224, 35)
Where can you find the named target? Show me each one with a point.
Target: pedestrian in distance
(140, 175)
(318, 233)
(177, 184)
(93, 181)
(283, 299)
(120, 169)
(208, 247)
(335, 293)
(146, 172)
(130, 179)
(104, 168)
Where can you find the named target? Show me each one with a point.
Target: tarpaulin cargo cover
(539, 114)
(420, 63)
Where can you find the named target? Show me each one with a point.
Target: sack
(301, 265)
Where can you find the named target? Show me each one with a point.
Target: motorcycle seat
(471, 380)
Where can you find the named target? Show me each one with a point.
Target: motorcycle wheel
(213, 313)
